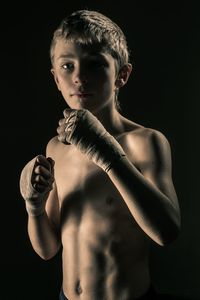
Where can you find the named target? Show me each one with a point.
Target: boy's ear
(123, 75)
(55, 78)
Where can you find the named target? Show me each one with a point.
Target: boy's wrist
(35, 207)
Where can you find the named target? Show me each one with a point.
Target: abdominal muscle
(105, 253)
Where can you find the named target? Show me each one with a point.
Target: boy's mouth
(82, 95)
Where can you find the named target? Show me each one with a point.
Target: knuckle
(38, 178)
(38, 169)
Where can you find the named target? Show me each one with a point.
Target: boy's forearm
(155, 213)
(44, 237)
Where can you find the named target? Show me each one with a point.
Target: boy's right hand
(36, 181)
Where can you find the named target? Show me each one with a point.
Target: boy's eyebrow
(71, 55)
(68, 55)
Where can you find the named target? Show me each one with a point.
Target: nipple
(78, 288)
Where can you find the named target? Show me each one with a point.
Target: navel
(78, 288)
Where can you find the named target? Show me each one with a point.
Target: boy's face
(86, 77)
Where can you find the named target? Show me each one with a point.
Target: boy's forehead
(71, 48)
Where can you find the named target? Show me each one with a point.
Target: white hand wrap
(85, 131)
(35, 201)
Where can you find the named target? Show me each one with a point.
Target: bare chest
(86, 192)
(75, 174)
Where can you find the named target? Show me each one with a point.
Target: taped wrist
(34, 201)
(85, 131)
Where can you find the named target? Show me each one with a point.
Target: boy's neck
(111, 119)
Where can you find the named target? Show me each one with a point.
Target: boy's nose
(80, 80)
(80, 77)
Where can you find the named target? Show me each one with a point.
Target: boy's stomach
(105, 254)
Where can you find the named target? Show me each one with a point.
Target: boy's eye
(68, 66)
(96, 64)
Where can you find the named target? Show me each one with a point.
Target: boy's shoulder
(143, 142)
(53, 145)
(53, 141)
(136, 130)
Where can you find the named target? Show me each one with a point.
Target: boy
(104, 190)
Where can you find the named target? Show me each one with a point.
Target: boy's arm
(38, 191)
(149, 195)
(44, 230)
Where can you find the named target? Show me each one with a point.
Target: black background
(163, 92)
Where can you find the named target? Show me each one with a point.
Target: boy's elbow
(170, 235)
(48, 255)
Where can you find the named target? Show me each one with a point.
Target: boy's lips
(82, 95)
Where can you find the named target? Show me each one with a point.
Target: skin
(104, 222)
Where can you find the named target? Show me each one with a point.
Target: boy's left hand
(82, 129)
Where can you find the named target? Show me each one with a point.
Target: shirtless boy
(104, 190)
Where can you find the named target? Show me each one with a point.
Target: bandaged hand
(36, 181)
(82, 129)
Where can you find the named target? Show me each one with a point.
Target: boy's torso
(105, 253)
